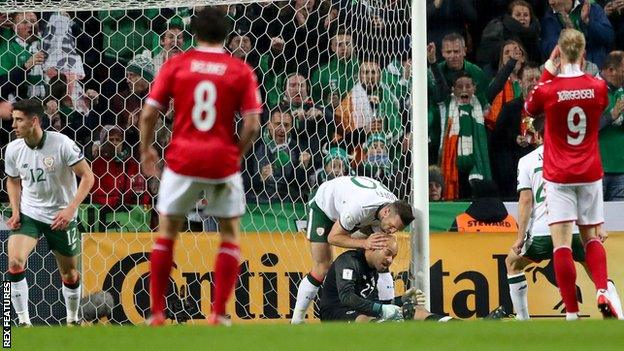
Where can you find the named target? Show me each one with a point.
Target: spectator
(118, 182)
(455, 63)
(241, 46)
(519, 24)
(22, 59)
(279, 167)
(377, 163)
(171, 44)
(370, 107)
(313, 124)
(59, 44)
(614, 9)
(583, 15)
(272, 70)
(436, 184)
(510, 140)
(331, 82)
(125, 106)
(464, 141)
(611, 137)
(63, 117)
(336, 163)
(379, 27)
(486, 213)
(449, 16)
(438, 92)
(301, 30)
(505, 86)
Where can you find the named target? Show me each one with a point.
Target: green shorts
(319, 224)
(538, 248)
(65, 242)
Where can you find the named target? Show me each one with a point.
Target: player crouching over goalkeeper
(350, 289)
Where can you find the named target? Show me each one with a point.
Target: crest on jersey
(320, 231)
(48, 162)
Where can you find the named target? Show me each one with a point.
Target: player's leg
(561, 203)
(161, 261)
(71, 285)
(421, 314)
(226, 267)
(20, 246)
(65, 244)
(176, 196)
(311, 282)
(317, 230)
(226, 202)
(518, 288)
(565, 271)
(591, 217)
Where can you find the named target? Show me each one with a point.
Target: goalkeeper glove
(391, 312)
(415, 296)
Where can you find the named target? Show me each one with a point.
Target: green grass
(426, 336)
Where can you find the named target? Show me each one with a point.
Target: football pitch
(454, 336)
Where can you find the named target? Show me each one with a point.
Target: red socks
(596, 259)
(226, 273)
(565, 273)
(160, 267)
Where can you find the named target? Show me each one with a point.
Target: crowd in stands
(335, 76)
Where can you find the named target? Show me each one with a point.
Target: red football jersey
(208, 87)
(573, 103)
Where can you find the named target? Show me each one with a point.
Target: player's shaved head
(210, 25)
(572, 44)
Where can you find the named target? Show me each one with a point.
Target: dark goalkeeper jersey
(351, 284)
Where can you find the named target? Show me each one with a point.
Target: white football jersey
(530, 177)
(48, 182)
(353, 201)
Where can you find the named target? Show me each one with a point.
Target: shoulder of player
(58, 137)
(15, 144)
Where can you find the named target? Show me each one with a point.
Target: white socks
(72, 303)
(385, 286)
(518, 291)
(19, 300)
(305, 295)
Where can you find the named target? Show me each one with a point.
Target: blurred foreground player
(208, 87)
(573, 103)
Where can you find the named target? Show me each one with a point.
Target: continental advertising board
(468, 277)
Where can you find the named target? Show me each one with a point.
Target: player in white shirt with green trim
(42, 167)
(339, 208)
(534, 242)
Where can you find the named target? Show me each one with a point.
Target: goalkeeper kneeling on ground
(350, 291)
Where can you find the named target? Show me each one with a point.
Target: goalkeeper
(350, 290)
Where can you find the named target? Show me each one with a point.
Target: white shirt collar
(571, 70)
(210, 49)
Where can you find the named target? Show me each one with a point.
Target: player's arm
(14, 188)
(249, 132)
(147, 124)
(525, 208)
(82, 170)
(339, 236)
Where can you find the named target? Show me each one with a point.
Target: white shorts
(178, 194)
(575, 202)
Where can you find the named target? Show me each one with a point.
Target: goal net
(335, 81)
